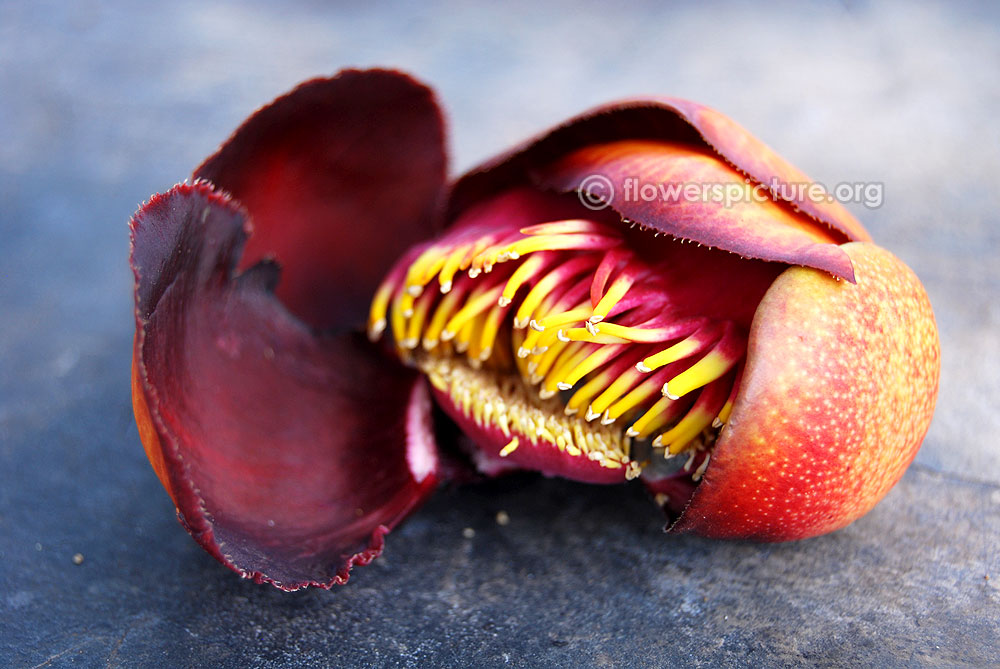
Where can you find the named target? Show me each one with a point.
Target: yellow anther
(567, 362)
(438, 382)
(474, 351)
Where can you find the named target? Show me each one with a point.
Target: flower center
(562, 334)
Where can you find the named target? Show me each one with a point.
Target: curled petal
(288, 455)
(798, 232)
(339, 176)
(837, 395)
(751, 156)
(691, 186)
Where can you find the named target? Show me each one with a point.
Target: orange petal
(837, 395)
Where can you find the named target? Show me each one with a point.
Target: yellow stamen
(397, 321)
(589, 390)
(531, 301)
(677, 437)
(615, 293)
(681, 349)
(491, 327)
(546, 286)
(480, 300)
(445, 308)
(612, 333)
(545, 362)
(601, 356)
(644, 391)
(488, 257)
(475, 336)
(655, 417)
(613, 392)
(523, 247)
(701, 373)
(574, 315)
(424, 268)
(463, 337)
(723, 416)
(543, 333)
(378, 310)
(525, 271)
(509, 448)
(566, 362)
(416, 323)
(569, 226)
(454, 263)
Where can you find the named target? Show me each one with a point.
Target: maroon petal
(339, 177)
(288, 455)
(559, 159)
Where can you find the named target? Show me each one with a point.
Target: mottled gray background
(102, 104)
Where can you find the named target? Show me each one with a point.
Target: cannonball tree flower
(759, 364)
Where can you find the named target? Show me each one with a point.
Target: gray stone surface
(102, 104)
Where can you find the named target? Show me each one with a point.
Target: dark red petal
(656, 118)
(288, 455)
(693, 125)
(339, 176)
(754, 228)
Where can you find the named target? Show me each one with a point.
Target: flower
(791, 362)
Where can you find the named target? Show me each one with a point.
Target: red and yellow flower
(764, 368)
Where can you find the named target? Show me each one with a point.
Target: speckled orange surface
(838, 394)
